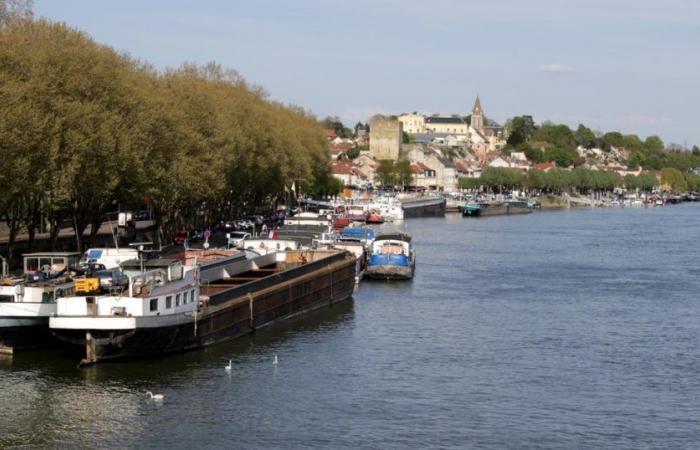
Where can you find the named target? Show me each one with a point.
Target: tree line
(394, 173)
(581, 180)
(558, 143)
(85, 130)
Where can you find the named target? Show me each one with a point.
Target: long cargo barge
(495, 209)
(180, 313)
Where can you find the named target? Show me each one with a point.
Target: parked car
(236, 239)
(244, 224)
(225, 225)
(196, 235)
(181, 236)
(257, 220)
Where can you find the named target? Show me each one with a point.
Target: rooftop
(445, 120)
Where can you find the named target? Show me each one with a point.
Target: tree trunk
(79, 227)
(95, 225)
(14, 226)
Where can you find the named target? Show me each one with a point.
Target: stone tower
(385, 138)
(477, 116)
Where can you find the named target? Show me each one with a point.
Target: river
(567, 329)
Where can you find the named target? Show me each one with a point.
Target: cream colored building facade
(447, 125)
(413, 123)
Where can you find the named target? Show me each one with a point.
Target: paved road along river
(567, 329)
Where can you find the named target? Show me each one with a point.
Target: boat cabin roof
(395, 236)
(52, 254)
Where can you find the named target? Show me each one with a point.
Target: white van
(110, 258)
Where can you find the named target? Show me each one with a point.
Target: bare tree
(15, 9)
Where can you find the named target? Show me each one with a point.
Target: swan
(228, 368)
(275, 361)
(156, 397)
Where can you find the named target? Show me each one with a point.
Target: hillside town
(442, 150)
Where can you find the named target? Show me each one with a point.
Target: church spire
(477, 106)
(477, 120)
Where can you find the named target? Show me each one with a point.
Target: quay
(423, 207)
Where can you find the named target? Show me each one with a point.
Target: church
(484, 138)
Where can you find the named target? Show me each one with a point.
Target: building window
(169, 302)
(184, 298)
(154, 304)
(192, 296)
(177, 300)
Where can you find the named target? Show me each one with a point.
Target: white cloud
(556, 68)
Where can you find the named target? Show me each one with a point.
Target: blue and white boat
(392, 257)
(364, 234)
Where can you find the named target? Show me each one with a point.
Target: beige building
(385, 137)
(413, 123)
(445, 173)
(447, 125)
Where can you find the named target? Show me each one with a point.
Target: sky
(626, 65)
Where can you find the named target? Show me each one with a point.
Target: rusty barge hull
(232, 311)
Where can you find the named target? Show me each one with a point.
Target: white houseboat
(179, 304)
(27, 302)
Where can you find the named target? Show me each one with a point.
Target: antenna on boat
(140, 248)
(111, 229)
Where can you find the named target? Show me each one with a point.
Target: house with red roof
(545, 166)
(348, 172)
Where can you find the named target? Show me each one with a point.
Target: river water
(569, 329)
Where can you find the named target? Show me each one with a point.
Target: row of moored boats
(119, 303)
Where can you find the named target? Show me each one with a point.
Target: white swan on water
(228, 368)
(156, 397)
(275, 361)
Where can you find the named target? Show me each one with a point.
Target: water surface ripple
(574, 329)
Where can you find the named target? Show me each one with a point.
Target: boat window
(44, 262)
(47, 297)
(154, 304)
(175, 272)
(184, 298)
(31, 265)
(7, 298)
(58, 264)
(169, 301)
(177, 300)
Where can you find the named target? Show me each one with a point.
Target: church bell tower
(477, 121)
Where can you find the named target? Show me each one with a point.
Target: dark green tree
(585, 137)
(521, 129)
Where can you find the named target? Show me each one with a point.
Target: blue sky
(627, 65)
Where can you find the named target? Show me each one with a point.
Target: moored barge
(172, 308)
(495, 209)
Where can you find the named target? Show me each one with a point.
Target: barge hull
(499, 210)
(231, 314)
(24, 334)
(389, 272)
